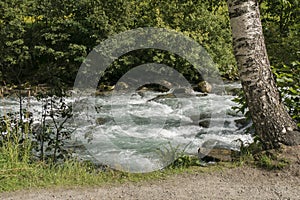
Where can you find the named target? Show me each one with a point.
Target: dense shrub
(46, 41)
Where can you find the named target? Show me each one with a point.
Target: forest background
(45, 42)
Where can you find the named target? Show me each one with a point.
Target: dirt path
(238, 183)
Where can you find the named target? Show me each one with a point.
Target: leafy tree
(14, 53)
(288, 82)
(281, 25)
(46, 41)
(192, 19)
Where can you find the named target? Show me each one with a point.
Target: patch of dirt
(238, 183)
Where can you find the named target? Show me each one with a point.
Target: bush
(49, 47)
(288, 82)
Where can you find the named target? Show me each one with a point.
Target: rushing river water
(137, 134)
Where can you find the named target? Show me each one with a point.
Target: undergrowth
(254, 155)
(19, 171)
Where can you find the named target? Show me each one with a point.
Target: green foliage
(14, 52)
(288, 82)
(44, 141)
(248, 151)
(46, 41)
(139, 57)
(193, 19)
(15, 142)
(242, 107)
(270, 161)
(176, 157)
(281, 25)
(51, 135)
(185, 161)
(254, 154)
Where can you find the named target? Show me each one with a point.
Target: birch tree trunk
(271, 120)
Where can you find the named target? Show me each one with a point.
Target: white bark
(271, 120)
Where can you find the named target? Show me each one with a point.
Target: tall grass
(19, 171)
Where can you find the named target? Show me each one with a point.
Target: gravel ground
(238, 183)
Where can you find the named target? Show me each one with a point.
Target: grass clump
(16, 174)
(270, 161)
(22, 175)
(255, 155)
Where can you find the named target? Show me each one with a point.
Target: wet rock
(178, 92)
(166, 84)
(103, 88)
(102, 93)
(182, 91)
(215, 150)
(151, 88)
(121, 86)
(201, 95)
(201, 116)
(175, 93)
(204, 123)
(154, 87)
(215, 154)
(201, 134)
(102, 120)
(24, 90)
(213, 143)
(163, 96)
(242, 122)
(141, 91)
(233, 91)
(204, 87)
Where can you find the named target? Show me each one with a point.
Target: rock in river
(214, 150)
(204, 87)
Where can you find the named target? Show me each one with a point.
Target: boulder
(201, 95)
(154, 87)
(182, 91)
(201, 116)
(102, 93)
(102, 120)
(215, 150)
(242, 122)
(163, 96)
(103, 87)
(215, 154)
(142, 91)
(204, 123)
(204, 87)
(166, 84)
(175, 93)
(121, 86)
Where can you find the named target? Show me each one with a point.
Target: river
(134, 133)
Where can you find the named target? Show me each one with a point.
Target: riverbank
(245, 182)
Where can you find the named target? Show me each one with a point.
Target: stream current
(134, 133)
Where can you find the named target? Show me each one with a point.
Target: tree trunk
(271, 121)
